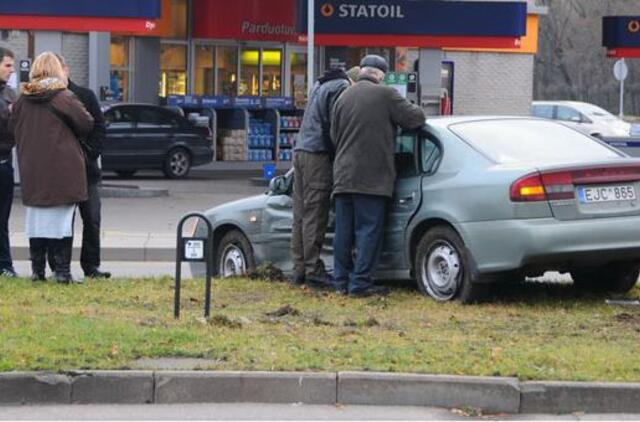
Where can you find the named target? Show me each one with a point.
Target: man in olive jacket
(313, 161)
(365, 118)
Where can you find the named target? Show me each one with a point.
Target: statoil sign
(418, 17)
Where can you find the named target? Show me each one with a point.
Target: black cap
(373, 60)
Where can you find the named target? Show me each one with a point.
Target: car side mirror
(278, 185)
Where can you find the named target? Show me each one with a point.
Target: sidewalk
(115, 245)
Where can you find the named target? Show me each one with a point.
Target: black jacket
(315, 131)
(7, 97)
(92, 145)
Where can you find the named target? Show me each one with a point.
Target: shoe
(8, 273)
(63, 277)
(38, 277)
(322, 282)
(97, 274)
(371, 291)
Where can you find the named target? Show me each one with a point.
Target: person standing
(48, 121)
(7, 98)
(90, 209)
(363, 131)
(312, 180)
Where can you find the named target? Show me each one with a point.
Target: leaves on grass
(282, 311)
(224, 321)
(626, 317)
(371, 322)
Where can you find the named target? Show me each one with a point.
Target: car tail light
(557, 185)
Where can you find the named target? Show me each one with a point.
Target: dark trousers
(312, 183)
(56, 251)
(359, 225)
(6, 200)
(90, 213)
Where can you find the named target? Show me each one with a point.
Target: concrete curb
(119, 191)
(492, 394)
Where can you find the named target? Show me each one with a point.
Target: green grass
(533, 331)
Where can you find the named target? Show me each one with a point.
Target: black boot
(38, 253)
(62, 259)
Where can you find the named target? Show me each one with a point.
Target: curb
(492, 394)
(110, 254)
(119, 191)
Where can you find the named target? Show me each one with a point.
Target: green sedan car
(477, 200)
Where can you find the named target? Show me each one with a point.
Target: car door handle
(406, 200)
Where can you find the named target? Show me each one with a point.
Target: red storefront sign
(258, 20)
(81, 24)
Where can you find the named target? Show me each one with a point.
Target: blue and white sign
(418, 17)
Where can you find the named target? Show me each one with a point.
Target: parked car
(143, 136)
(477, 200)
(585, 117)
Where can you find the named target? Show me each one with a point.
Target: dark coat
(92, 144)
(47, 121)
(315, 132)
(7, 97)
(365, 118)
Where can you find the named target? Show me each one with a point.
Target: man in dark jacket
(7, 98)
(312, 162)
(363, 131)
(90, 209)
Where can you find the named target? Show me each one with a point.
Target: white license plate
(592, 194)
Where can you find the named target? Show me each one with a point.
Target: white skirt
(50, 222)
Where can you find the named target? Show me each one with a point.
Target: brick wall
(492, 83)
(75, 49)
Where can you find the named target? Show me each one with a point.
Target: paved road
(255, 411)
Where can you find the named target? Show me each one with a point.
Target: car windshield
(521, 140)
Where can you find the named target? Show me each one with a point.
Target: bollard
(194, 249)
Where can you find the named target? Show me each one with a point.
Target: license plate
(592, 194)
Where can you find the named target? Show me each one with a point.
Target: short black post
(194, 249)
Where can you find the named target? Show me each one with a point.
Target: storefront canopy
(80, 15)
(416, 23)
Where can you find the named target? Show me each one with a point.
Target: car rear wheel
(233, 255)
(614, 278)
(177, 163)
(442, 268)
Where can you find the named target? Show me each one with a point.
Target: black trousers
(90, 213)
(6, 200)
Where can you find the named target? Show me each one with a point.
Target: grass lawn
(532, 331)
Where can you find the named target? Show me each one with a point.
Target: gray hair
(373, 72)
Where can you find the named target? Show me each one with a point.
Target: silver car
(477, 200)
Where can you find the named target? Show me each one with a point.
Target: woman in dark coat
(47, 122)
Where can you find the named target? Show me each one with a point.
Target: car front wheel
(614, 278)
(233, 255)
(177, 163)
(442, 267)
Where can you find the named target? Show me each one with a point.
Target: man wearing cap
(363, 132)
(313, 178)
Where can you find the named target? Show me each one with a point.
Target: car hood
(231, 209)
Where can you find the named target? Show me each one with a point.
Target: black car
(143, 136)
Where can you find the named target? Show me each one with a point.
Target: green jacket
(363, 131)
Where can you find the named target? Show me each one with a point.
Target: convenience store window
(249, 72)
(298, 86)
(120, 72)
(271, 73)
(226, 71)
(173, 69)
(204, 70)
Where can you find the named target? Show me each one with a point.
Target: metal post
(310, 43)
(176, 296)
(621, 97)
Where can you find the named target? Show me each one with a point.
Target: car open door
(406, 200)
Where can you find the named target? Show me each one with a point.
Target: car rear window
(521, 140)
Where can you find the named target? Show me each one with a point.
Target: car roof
(444, 121)
(569, 103)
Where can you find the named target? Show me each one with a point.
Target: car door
(155, 129)
(406, 200)
(120, 132)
